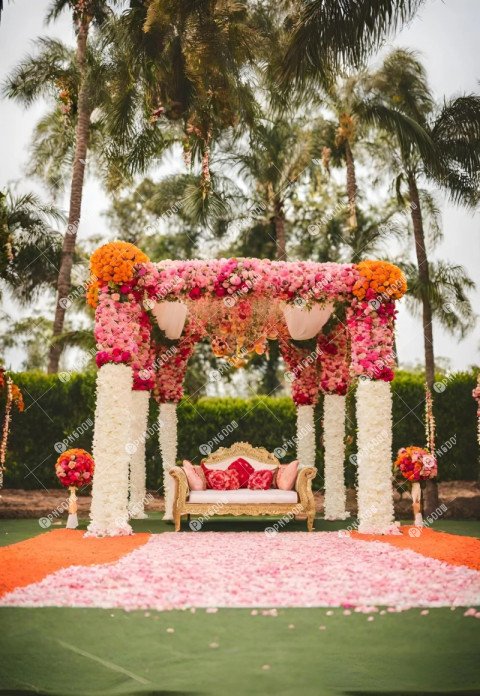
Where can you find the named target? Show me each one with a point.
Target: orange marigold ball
(114, 262)
(382, 278)
(92, 294)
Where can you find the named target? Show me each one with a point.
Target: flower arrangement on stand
(13, 396)
(74, 469)
(417, 464)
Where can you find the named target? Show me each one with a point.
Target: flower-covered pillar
(117, 330)
(143, 382)
(172, 364)
(334, 360)
(370, 320)
(303, 375)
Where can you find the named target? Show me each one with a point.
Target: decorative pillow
(221, 480)
(287, 475)
(261, 480)
(195, 476)
(244, 470)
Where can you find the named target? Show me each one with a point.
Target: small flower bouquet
(416, 464)
(74, 469)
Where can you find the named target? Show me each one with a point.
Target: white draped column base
(374, 458)
(136, 448)
(108, 513)
(334, 442)
(167, 422)
(306, 436)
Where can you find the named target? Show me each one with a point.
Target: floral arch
(149, 317)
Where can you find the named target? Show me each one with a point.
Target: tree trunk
(64, 282)
(279, 222)
(431, 501)
(351, 186)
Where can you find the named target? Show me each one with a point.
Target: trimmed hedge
(57, 412)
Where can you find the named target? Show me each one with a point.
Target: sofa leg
(178, 521)
(310, 522)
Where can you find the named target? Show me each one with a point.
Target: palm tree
(180, 77)
(29, 246)
(329, 36)
(35, 77)
(452, 164)
(278, 157)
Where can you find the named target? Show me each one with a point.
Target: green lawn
(12, 531)
(79, 652)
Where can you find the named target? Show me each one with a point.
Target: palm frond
(329, 35)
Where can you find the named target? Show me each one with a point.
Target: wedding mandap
(334, 324)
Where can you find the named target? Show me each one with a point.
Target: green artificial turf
(91, 651)
(83, 652)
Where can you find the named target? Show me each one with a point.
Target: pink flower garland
(334, 360)
(303, 368)
(172, 364)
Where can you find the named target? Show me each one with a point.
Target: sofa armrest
(303, 486)
(181, 485)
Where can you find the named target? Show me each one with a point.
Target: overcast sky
(445, 33)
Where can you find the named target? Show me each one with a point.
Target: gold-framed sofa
(272, 502)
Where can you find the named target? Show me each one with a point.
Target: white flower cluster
(109, 514)
(167, 416)
(140, 401)
(305, 435)
(375, 490)
(334, 443)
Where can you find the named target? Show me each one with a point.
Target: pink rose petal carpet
(242, 569)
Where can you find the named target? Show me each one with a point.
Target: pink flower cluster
(303, 372)
(334, 360)
(370, 323)
(171, 371)
(219, 277)
(74, 468)
(416, 463)
(122, 332)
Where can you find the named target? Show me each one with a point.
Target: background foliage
(56, 410)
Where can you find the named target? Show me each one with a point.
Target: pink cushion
(287, 475)
(261, 480)
(244, 470)
(221, 480)
(195, 478)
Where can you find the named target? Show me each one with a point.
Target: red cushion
(221, 480)
(244, 470)
(261, 480)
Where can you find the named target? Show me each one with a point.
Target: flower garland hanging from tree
(13, 397)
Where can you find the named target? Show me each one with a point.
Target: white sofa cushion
(225, 463)
(243, 496)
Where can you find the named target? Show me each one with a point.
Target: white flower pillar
(109, 513)
(334, 443)
(167, 422)
(374, 457)
(306, 435)
(136, 448)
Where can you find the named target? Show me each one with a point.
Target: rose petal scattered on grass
(253, 570)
